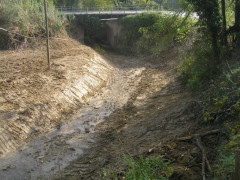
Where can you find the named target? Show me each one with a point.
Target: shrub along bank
(26, 17)
(219, 103)
(151, 33)
(211, 68)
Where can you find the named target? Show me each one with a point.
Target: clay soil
(141, 109)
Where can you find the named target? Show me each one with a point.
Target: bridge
(113, 27)
(114, 10)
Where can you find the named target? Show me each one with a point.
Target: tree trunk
(237, 20)
(215, 50)
(237, 12)
(224, 23)
(214, 28)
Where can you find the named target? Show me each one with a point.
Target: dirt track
(141, 108)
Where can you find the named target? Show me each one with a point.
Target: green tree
(210, 21)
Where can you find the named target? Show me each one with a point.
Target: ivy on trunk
(210, 20)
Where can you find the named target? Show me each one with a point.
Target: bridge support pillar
(114, 32)
(81, 34)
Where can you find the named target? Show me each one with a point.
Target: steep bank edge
(33, 100)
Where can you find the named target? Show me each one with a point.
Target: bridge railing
(77, 9)
(119, 8)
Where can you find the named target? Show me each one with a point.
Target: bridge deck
(119, 12)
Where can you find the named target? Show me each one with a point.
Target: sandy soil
(141, 108)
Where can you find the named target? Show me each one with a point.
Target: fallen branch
(197, 137)
(204, 157)
(201, 135)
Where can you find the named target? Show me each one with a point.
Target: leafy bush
(225, 163)
(174, 5)
(26, 17)
(224, 105)
(197, 65)
(150, 33)
(167, 30)
(152, 168)
(132, 24)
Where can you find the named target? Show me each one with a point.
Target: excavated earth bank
(34, 100)
(80, 117)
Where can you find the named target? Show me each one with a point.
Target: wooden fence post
(47, 34)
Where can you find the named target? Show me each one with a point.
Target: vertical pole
(47, 33)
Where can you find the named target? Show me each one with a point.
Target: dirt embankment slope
(34, 100)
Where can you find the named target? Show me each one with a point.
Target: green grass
(150, 168)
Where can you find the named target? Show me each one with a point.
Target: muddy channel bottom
(143, 104)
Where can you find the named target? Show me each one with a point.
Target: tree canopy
(219, 20)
